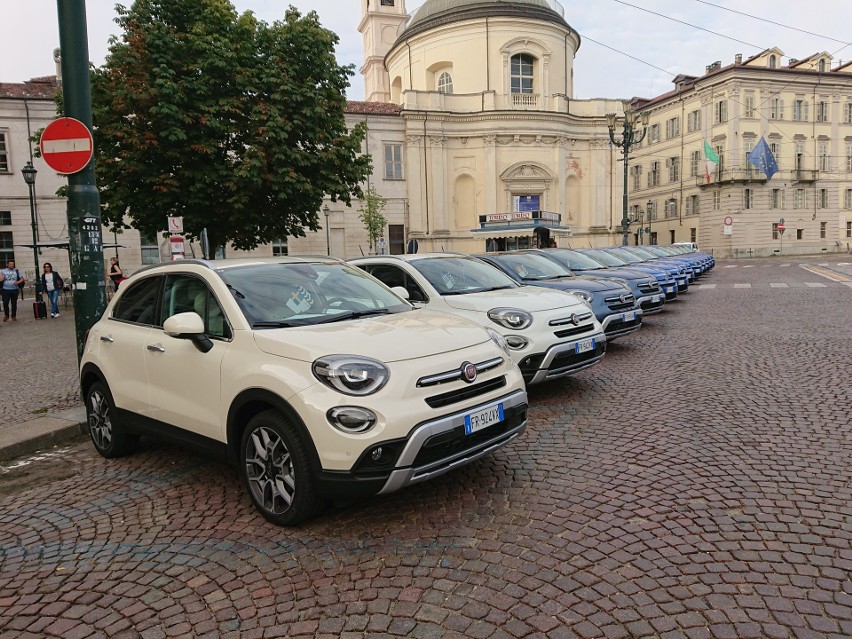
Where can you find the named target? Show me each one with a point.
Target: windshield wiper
(235, 292)
(354, 315)
(276, 324)
(497, 288)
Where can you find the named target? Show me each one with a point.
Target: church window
(522, 73)
(445, 83)
(393, 161)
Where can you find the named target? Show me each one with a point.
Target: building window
(693, 121)
(7, 249)
(822, 112)
(776, 152)
(393, 161)
(824, 164)
(694, 163)
(279, 248)
(775, 233)
(848, 229)
(672, 128)
(776, 109)
(800, 153)
(748, 147)
(823, 198)
(748, 198)
(720, 151)
(749, 106)
(654, 174)
(445, 83)
(523, 65)
(673, 164)
(150, 250)
(636, 174)
(5, 218)
(847, 199)
(847, 113)
(720, 112)
(652, 210)
(690, 206)
(800, 110)
(671, 208)
(693, 235)
(849, 158)
(396, 239)
(800, 233)
(4, 151)
(822, 226)
(777, 199)
(654, 133)
(773, 62)
(717, 200)
(801, 201)
(387, 3)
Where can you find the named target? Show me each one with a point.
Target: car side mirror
(188, 326)
(401, 291)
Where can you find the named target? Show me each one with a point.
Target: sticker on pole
(66, 145)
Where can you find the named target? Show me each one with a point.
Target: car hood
(528, 298)
(581, 283)
(388, 338)
(624, 273)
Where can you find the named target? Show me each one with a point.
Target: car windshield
(531, 267)
(573, 260)
(606, 258)
(462, 275)
(651, 251)
(275, 295)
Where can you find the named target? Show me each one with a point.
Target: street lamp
(629, 137)
(326, 212)
(648, 228)
(29, 173)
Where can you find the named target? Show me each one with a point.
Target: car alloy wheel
(276, 470)
(109, 439)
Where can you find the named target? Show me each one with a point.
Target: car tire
(109, 438)
(276, 471)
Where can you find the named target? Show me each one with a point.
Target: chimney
(714, 67)
(738, 59)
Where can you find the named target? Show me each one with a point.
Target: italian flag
(710, 161)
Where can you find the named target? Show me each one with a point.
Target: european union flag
(761, 157)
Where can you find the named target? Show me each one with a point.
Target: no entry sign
(66, 145)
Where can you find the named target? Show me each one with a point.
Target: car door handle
(107, 338)
(157, 347)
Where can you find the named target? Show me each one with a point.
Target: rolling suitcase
(39, 310)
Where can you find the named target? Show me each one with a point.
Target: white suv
(313, 377)
(550, 333)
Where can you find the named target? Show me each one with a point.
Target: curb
(43, 432)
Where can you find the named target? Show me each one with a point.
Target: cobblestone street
(696, 484)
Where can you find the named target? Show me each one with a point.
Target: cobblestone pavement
(696, 484)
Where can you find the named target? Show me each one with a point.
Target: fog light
(516, 342)
(351, 419)
(377, 454)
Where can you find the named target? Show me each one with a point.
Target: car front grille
(457, 373)
(575, 330)
(465, 393)
(649, 287)
(620, 303)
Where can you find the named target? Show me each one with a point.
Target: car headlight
(499, 340)
(351, 374)
(583, 295)
(513, 318)
(621, 281)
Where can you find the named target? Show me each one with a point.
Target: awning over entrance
(520, 221)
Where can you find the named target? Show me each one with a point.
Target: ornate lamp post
(29, 173)
(629, 137)
(326, 212)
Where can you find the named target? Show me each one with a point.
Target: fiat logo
(468, 372)
(575, 319)
(624, 297)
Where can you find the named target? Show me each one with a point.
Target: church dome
(438, 12)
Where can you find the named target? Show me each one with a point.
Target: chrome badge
(468, 371)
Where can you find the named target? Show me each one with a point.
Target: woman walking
(115, 272)
(52, 284)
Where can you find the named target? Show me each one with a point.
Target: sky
(630, 48)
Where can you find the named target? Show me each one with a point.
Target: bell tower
(381, 23)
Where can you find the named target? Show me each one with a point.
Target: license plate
(669, 289)
(585, 346)
(629, 317)
(655, 299)
(483, 418)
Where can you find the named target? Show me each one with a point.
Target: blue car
(610, 257)
(612, 302)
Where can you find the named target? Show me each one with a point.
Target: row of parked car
(324, 380)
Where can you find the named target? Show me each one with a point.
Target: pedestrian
(12, 279)
(552, 243)
(52, 284)
(115, 272)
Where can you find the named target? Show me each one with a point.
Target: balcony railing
(731, 176)
(525, 100)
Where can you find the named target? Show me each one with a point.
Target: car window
(215, 324)
(528, 266)
(460, 275)
(394, 276)
(138, 303)
(184, 293)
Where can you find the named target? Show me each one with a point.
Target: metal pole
(36, 277)
(84, 216)
(625, 221)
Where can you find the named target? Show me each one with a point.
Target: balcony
(735, 176)
(524, 100)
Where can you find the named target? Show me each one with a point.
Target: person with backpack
(52, 284)
(12, 279)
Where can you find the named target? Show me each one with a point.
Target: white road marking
(732, 266)
(701, 287)
(742, 285)
(749, 266)
(20, 463)
(778, 285)
(815, 285)
(829, 276)
(849, 284)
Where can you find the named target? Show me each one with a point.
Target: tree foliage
(371, 216)
(232, 123)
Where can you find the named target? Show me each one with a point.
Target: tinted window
(138, 303)
(189, 294)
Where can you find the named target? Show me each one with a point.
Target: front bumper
(651, 303)
(620, 324)
(562, 359)
(432, 448)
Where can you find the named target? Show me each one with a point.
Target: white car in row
(550, 333)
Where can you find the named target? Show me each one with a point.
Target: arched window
(522, 73)
(445, 83)
(772, 62)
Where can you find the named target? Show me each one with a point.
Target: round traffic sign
(66, 145)
(728, 220)
(781, 227)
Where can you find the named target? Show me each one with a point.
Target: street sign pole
(84, 215)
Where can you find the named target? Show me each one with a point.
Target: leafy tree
(371, 216)
(235, 124)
